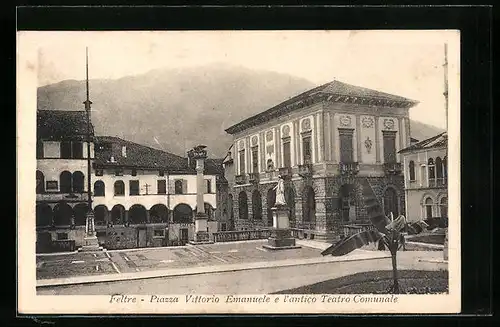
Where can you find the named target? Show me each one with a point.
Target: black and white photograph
(239, 171)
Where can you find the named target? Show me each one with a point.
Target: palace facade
(426, 178)
(141, 196)
(337, 148)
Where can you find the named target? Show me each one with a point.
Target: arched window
(411, 170)
(119, 188)
(243, 205)
(290, 201)
(391, 202)
(65, 182)
(439, 168)
(444, 207)
(40, 182)
(271, 199)
(428, 207)
(431, 167)
(256, 205)
(78, 182)
(309, 206)
(183, 214)
(99, 189)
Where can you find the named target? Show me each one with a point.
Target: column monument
(91, 242)
(281, 236)
(201, 236)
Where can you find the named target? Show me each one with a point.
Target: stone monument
(201, 236)
(281, 236)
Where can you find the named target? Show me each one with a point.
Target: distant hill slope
(422, 131)
(173, 110)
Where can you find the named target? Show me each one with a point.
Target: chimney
(124, 151)
(191, 161)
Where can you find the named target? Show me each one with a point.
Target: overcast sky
(406, 63)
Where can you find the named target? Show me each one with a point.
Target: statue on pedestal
(280, 192)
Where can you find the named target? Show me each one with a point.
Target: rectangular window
(134, 187)
(287, 158)
(346, 145)
(242, 162)
(208, 186)
(159, 233)
(99, 172)
(133, 172)
(389, 146)
(306, 149)
(223, 227)
(255, 159)
(161, 173)
(77, 148)
(51, 186)
(162, 186)
(179, 186)
(65, 150)
(62, 236)
(119, 172)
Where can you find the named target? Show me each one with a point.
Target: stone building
(147, 197)
(337, 147)
(61, 175)
(426, 178)
(141, 196)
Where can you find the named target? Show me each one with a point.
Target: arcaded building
(141, 197)
(337, 148)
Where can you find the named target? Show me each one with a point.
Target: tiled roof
(332, 90)
(340, 88)
(439, 140)
(62, 124)
(141, 156)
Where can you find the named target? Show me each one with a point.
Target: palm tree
(388, 232)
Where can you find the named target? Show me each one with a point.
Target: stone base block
(91, 245)
(201, 242)
(280, 240)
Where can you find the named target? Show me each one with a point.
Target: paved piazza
(136, 260)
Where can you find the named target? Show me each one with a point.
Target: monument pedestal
(281, 236)
(91, 243)
(201, 235)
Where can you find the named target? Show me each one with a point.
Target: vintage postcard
(222, 172)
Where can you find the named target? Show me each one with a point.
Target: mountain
(175, 109)
(422, 131)
(179, 107)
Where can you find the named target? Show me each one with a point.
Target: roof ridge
(142, 145)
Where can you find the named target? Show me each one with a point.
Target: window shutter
(171, 187)
(184, 186)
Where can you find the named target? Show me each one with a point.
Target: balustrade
(242, 235)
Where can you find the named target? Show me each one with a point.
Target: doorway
(142, 240)
(184, 236)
